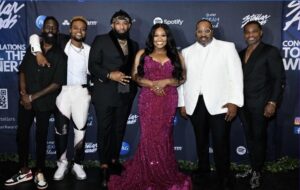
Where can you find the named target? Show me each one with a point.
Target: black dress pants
(111, 121)
(255, 127)
(203, 122)
(25, 119)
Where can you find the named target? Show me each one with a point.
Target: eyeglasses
(205, 31)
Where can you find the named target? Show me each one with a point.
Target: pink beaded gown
(154, 166)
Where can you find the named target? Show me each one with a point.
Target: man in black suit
(264, 79)
(110, 62)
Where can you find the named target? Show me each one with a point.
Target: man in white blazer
(210, 96)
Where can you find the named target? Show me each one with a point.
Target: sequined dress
(154, 166)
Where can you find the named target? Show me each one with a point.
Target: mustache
(49, 37)
(78, 38)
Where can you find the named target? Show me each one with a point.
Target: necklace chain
(76, 48)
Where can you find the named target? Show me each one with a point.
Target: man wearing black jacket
(110, 62)
(264, 81)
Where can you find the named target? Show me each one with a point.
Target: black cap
(120, 15)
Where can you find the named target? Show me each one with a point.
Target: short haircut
(51, 18)
(79, 18)
(205, 20)
(253, 22)
(121, 15)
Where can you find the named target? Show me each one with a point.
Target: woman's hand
(158, 91)
(161, 83)
(159, 87)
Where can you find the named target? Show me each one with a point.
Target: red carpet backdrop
(281, 23)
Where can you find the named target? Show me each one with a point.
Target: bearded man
(39, 87)
(110, 63)
(74, 99)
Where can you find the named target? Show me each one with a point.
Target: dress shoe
(226, 183)
(105, 177)
(244, 174)
(116, 168)
(255, 180)
(201, 178)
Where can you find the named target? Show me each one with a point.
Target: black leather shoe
(244, 174)
(202, 179)
(255, 180)
(116, 168)
(229, 183)
(104, 178)
(226, 183)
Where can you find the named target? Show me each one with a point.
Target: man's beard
(121, 36)
(49, 38)
(78, 39)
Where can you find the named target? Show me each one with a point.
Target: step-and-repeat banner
(281, 23)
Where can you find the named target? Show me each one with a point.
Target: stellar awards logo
(261, 18)
(291, 48)
(213, 18)
(8, 14)
(132, 119)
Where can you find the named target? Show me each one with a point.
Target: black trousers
(25, 120)
(255, 127)
(111, 123)
(203, 122)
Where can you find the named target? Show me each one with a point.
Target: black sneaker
(255, 180)
(243, 174)
(19, 178)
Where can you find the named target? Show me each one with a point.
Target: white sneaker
(78, 171)
(19, 178)
(40, 181)
(62, 170)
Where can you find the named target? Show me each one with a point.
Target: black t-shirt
(38, 78)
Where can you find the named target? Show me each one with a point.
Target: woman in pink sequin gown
(158, 70)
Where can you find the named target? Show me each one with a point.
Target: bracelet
(108, 75)
(30, 98)
(272, 103)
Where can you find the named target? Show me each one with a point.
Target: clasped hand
(119, 77)
(158, 87)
